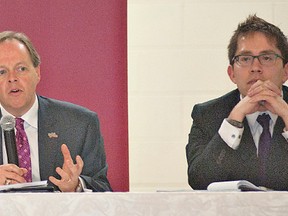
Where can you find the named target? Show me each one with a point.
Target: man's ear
(230, 72)
(285, 75)
(38, 73)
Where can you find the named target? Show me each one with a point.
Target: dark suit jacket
(61, 122)
(210, 159)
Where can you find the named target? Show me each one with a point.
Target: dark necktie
(23, 149)
(264, 144)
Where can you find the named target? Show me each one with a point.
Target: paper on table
(23, 185)
(240, 185)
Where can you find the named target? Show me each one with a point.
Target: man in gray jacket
(58, 132)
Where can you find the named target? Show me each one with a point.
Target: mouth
(15, 91)
(251, 82)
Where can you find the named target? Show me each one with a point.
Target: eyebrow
(16, 65)
(21, 63)
(262, 52)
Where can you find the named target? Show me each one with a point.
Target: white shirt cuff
(285, 135)
(231, 134)
(83, 184)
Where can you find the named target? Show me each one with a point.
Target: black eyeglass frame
(236, 58)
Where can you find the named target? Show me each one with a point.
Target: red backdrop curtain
(83, 48)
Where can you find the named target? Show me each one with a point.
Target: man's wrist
(235, 123)
(80, 187)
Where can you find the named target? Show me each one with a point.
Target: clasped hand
(262, 96)
(11, 174)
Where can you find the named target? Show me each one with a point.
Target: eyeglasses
(267, 59)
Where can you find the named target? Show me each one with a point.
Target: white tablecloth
(158, 203)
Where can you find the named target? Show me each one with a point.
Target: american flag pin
(52, 135)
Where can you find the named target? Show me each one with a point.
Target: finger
(59, 183)
(79, 162)
(79, 165)
(2, 180)
(268, 103)
(64, 175)
(13, 172)
(54, 180)
(74, 170)
(12, 182)
(271, 86)
(65, 184)
(255, 90)
(69, 167)
(263, 93)
(256, 84)
(24, 170)
(66, 153)
(267, 96)
(260, 87)
(13, 168)
(15, 177)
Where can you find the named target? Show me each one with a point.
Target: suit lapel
(47, 140)
(247, 147)
(278, 138)
(1, 144)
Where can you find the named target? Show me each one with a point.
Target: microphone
(8, 123)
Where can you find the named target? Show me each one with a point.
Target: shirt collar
(252, 118)
(30, 117)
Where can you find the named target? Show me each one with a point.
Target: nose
(256, 66)
(12, 76)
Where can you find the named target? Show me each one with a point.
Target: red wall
(83, 49)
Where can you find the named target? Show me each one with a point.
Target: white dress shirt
(232, 135)
(31, 128)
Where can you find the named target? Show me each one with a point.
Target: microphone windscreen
(7, 122)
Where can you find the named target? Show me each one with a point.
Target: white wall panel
(177, 57)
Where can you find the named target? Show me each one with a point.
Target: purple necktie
(264, 144)
(23, 149)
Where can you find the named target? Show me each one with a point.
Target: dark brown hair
(255, 24)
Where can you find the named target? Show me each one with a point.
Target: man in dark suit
(57, 131)
(226, 137)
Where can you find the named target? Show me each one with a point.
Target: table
(197, 203)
